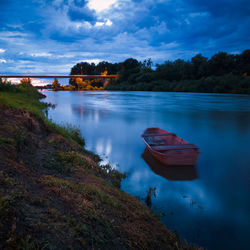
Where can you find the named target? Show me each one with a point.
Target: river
(208, 205)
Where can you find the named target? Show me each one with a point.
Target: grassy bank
(55, 195)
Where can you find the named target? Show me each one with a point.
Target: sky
(51, 36)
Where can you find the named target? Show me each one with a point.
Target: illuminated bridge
(59, 76)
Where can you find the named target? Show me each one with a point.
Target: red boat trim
(173, 147)
(147, 135)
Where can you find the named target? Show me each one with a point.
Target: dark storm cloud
(55, 34)
(79, 14)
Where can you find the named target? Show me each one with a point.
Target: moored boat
(170, 149)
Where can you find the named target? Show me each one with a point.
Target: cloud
(51, 36)
(107, 23)
(95, 61)
(41, 54)
(83, 13)
(100, 5)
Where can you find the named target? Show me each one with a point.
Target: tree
(146, 65)
(221, 64)
(200, 66)
(243, 63)
(55, 85)
(171, 71)
(129, 68)
(83, 68)
(25, 81)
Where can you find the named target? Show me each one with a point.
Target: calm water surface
(209, 204)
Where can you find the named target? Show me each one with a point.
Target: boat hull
(187, 157)
(169, 172)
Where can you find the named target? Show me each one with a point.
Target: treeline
(222, 73)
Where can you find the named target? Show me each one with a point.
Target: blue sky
(50, 36)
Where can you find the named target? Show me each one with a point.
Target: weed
(6, 140)
(28, 243)
(112, 175)
(20, 140)
(39, 203)
(92, 155)
(88, 191)
(150, 192)
(71, 157)
(159, 216)
(4, 202)
(6, 181)
(67, 131)
(54, 164)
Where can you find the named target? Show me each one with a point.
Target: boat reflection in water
(173, 173)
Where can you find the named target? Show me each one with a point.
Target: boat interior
(163, 142)
(159, 140)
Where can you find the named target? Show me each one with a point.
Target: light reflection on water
(208, 205)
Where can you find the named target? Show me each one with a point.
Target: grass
(6, 181)
(20, 100)
(68, 131)
(20, 139)
(26, 97)
(90, 192)
(6, 140)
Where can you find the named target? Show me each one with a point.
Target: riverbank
(55, 195)
(227, 84)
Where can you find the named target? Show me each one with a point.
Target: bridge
(59, 76)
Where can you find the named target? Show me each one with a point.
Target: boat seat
(155, 141)
(173, 147)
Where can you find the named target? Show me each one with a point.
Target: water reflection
(103, 147)
(94, 115)
(173, 173)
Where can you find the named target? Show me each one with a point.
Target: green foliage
(113, 176)
(90, 191)
(96, 158)
(8, 87)
(25, 87)
(55, 164)
(27, 97)
(67, 131)
(55, 85)
(85, 68)
(222, 73)
(20, 140)
(6, 140)
(63, 162)
(22, 99)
